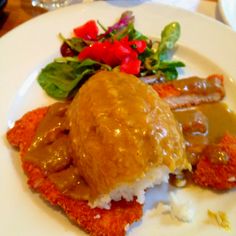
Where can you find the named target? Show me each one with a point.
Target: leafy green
(160, 58)
(129, 31)
(59, 79)
(124, 27)
(77, 44)
(126, 19)
(170, 64)
(134, 34)
(170, 73)
(169, 36)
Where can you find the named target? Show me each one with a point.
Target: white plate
(206, 46)
(228, 12)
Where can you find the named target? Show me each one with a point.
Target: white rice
(137, 189)
(181, 209)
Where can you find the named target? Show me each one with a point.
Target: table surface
(19, 11)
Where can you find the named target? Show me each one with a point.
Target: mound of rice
(124, 138)
(127, 191)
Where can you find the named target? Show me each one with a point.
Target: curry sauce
(51, 149)
(51, 152)
(203, 126)
(196, 85)
(113, 133)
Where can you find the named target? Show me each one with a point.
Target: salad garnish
(120, 47)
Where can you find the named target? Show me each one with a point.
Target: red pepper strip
(87, 31)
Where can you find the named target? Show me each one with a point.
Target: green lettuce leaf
(60, 78)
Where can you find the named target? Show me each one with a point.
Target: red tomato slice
(131, 66)
(88, 31)
(140, 45)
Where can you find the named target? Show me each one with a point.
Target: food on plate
(181, 209)
(216, 167)
(120, 47)
(112, 130)
(99, 125)
(87, 146)
(203, 126)
(221, 219)
(115, 135)
(95, 221)
(34, 131)
(191, 91)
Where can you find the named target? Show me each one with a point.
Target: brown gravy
(206, 124)
(197, 85)
(50, 150)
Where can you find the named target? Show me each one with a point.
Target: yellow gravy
(50, 150)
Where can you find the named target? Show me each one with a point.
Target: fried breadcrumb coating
(219, 176)
(97, 222)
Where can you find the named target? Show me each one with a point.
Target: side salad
(119, 47)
